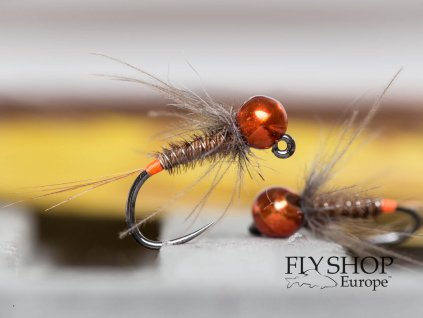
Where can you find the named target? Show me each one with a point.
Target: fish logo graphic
(312, 278)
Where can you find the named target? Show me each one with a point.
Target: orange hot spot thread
(388, 206)
(262, 121)
(276, 212)
(154, 167)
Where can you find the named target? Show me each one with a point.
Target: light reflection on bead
(276, 212)
(262, 121)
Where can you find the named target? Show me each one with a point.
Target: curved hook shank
(399, 237)
(132, 223)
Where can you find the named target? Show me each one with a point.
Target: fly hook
(132, 223)
(397, 237)
(260, 123)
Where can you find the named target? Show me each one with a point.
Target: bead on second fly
(276, 212)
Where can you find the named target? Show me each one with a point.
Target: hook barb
(132, 223)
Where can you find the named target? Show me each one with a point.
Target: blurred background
(60, 121)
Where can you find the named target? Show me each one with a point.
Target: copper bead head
(276, 212)
(262, 121)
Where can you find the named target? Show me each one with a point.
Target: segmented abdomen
(197, 149)
(352, 208)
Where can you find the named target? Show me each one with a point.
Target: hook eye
(288, 151)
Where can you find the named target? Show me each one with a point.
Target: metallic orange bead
(262, 121)
(276, 212)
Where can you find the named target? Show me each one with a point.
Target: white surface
(16, 240)
(226, 273)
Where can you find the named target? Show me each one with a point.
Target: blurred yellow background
(40, 150)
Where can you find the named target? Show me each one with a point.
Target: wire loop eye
(288, 151)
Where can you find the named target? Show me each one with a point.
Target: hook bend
(395, 237)
(132, 223)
